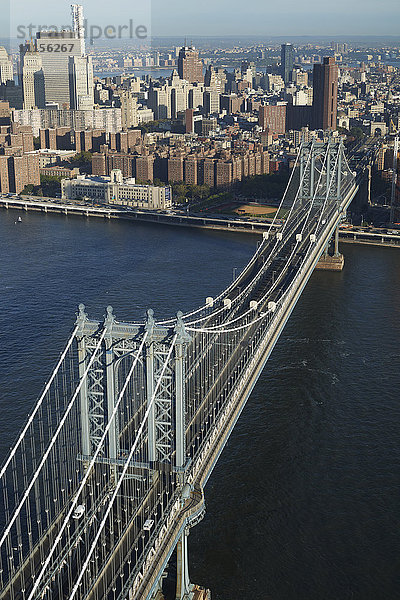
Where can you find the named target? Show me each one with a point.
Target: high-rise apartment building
(127, 102)
(31, 77)
(6, 67)
(325, 94)
(273, 118)
(287, 62)
(190, 67)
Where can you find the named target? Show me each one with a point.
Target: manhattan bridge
(107, 475)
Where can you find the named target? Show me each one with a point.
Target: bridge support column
(84, 401)
(331, 263)
(184, 589)
(150, 386)
(337, 253)
(110, 391)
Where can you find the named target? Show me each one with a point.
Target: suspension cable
(90, 467)
(52, 441)
(261, 271)
(227, 290)
(221, 327)
(39, 403)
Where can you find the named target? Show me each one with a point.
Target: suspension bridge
(107, 476)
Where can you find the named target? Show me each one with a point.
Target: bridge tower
(98, 393)
(322, 170)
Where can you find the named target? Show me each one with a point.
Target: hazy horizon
(223, 18)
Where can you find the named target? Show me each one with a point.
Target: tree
(83, 161)
(28, 190)
(357, 133)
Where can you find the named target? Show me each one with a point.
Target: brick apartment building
(17, 167)
(214, 170)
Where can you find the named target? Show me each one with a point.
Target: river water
(304, 502)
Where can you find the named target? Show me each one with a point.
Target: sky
(216, 17)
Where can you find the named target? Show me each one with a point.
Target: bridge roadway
(209, 453)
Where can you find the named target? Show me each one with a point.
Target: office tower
(81, 83)
(249, 71)
(212, 100)
(31, 77)
(56, 64)
(216, 79)
(196, 94)
(6, 67)
(56, 49)
(179, 100)
(190, 67)
(325, 85)
(287, 62)
(160, 102)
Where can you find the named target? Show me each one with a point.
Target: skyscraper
(31, 77)
(6, 67)
(325, 86)
(56, 64)
(190, 67)
(287, 62)
(58, 49)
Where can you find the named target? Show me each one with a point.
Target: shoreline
(180, 220)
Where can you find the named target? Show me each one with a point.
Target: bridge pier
(184, 589)
(328, 262)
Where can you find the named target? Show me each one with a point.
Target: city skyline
(190, 18)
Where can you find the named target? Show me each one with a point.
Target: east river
(304, 502)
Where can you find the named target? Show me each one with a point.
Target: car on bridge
(148, 525)
(79, 512)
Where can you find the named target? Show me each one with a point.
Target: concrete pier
(331, 263)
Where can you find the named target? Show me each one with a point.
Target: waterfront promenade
(177, 218)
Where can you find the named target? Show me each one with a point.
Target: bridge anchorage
(107, 475)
